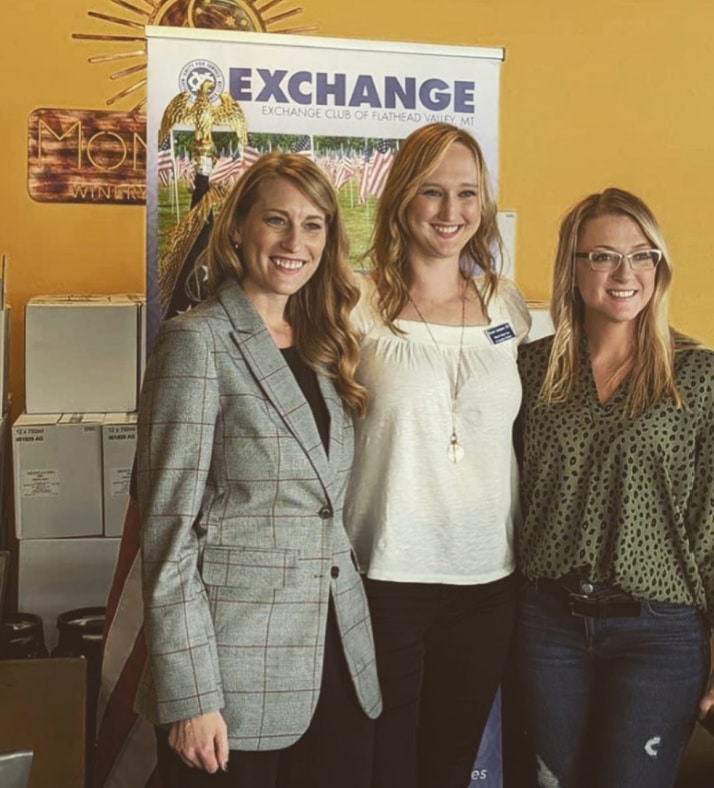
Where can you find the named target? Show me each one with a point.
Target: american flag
(375, 171)
(302, 145)
(166, 166)
(185, 170)
(232, 167)
(225, 169)
(327, 164)
(249, 157)
(345, 168)
(126, 747)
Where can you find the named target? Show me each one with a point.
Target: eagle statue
(203, 115)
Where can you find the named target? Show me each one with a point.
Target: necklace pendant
(455, 451)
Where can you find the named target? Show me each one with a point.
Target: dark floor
(698, 768)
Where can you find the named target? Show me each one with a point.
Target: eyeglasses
(607, 260)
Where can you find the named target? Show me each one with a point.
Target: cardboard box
(118, 449)
(83, 354)
(542, 325)
(43, 710)
(57, 575)
(57, 461)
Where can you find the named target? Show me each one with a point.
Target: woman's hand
(202, 741)
(707, 700)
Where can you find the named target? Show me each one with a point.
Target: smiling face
(617, 296)
(281, 241)
(446, 210)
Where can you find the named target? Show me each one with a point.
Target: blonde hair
(420, 154)
(319, 313)
(652, 378)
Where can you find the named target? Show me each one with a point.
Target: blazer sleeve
(177, 416)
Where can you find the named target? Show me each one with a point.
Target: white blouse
(412, 514)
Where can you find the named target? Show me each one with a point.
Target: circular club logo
(196, 72)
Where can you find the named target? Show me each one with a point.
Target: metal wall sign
(86, 156)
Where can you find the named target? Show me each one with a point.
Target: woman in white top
(432, 498)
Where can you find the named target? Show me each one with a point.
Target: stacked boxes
(73, 448)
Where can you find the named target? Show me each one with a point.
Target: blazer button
(335, 571)
(325, 513)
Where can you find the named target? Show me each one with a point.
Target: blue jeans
(609, 702)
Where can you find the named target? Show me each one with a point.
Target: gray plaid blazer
(242, 533)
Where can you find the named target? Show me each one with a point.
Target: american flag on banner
(186, 171)
(249, 157)
(345, 168)
(303, 146)
(327, 164)
(225, 169)
(166, 166)
(375, 171)
(232, 167)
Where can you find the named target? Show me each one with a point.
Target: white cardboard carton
(118, 448)
(83, 354)
(57, 575)
(57, 463)
(542, 325)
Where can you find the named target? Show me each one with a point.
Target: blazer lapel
(275, 377)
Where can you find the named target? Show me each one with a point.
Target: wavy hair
(652, 377)
(319, 313)
(420, 154)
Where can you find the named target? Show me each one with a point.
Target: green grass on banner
(358, 217)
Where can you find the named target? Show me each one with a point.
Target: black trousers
(441, 651)
(335, 751)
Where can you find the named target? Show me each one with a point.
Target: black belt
(615, 605)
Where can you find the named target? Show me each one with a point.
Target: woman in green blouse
(617, 545)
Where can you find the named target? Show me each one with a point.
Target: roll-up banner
(219, 99)
(347, 103)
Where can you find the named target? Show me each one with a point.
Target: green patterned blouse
(630, 501)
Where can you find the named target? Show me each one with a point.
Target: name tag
(501, 333)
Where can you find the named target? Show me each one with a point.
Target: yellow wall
(593, 93)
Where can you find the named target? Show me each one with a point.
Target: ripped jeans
(610, 702)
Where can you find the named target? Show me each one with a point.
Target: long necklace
(454, 451)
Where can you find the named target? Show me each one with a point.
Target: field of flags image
(356, 166)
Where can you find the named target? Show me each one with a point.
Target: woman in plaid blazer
(261, 668)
